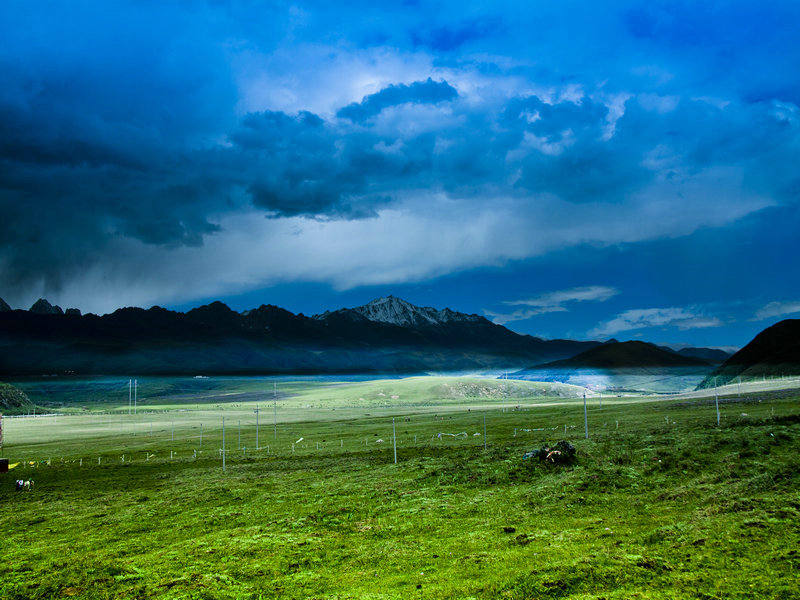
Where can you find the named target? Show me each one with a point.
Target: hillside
(772, 353)
(624, 355)
(712, 355)
(13, 400)
(623, 367)
(386, 335)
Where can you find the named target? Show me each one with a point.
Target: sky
(568, 169)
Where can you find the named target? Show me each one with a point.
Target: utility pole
(256, 411)
(275, 407)
(135, 385)
(223, 444)
(585, 417)
(716, 399)
(130, 397)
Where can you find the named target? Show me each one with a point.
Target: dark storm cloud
(303, 166)
(101, 123)
(572, 150)
(150, 124)
(576, 162)
(551, 120)
(419, 92)
(295, 167)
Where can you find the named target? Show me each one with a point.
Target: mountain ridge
(387, 334)
(625, 355)
(397, 311)
(775, 351)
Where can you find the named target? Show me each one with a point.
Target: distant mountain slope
(13, 400)
(388, 334)
(712, 355)
(625, 355)
(623, 367)
(773, 352)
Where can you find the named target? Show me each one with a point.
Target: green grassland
(659, 503)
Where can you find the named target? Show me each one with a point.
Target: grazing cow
(19, 485)
(28, 485)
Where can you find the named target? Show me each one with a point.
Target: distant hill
(773, 352)
(623, 367)
(385, 335)
(712, 355)
(625, 355)
(13, 400)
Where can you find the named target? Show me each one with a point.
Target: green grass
(660, 503)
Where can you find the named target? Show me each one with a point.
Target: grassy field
(659, 503)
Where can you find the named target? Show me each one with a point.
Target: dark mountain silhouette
(712, 355)
(623, 367)
(387, 334)
(773, 352)
(43, 307)
(625, 355)
(3, 306)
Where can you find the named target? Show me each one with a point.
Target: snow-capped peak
(399, 312)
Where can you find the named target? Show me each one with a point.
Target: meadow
(660, 502)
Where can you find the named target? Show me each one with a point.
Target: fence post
(585, 417)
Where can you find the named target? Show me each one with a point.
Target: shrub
(560, 454)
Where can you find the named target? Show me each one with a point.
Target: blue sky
(568, 169)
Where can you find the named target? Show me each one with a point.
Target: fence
(92, 440)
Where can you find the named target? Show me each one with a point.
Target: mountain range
(385, 335)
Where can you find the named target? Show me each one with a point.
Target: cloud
(419, 92)
(454, 37)
(552, 302)
(777, 309)
(592, 293)
(151, 131)
(646, 318)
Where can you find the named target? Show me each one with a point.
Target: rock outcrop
(43, 307)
